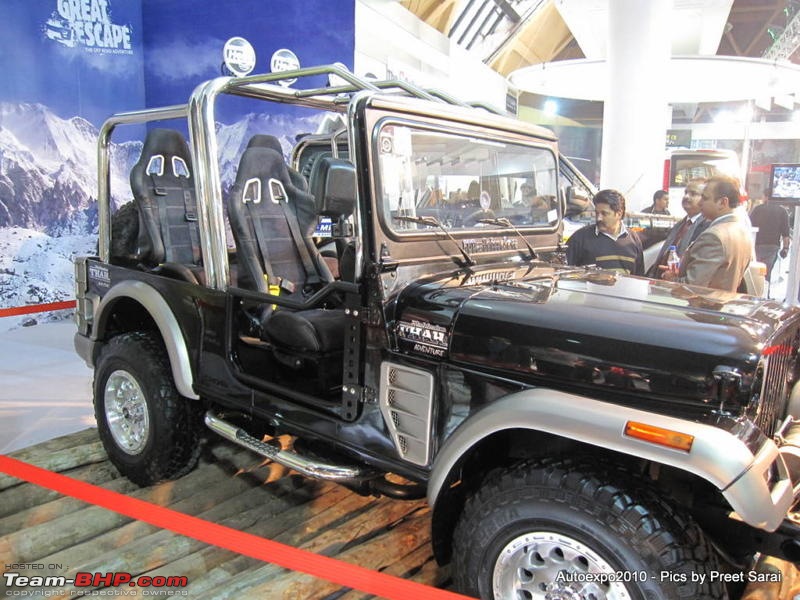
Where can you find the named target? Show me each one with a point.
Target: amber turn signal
(659, 435)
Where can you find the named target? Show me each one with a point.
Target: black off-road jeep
(386, 296)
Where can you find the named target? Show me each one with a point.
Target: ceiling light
(774, 32)
(585, 79)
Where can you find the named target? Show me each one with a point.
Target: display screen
(785, 182)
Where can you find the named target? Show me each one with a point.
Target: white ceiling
(695, 73)
(696, 26)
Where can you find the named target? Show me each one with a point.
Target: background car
(681, 165)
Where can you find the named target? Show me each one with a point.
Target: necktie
(681, 231)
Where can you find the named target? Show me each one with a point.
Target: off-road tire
(170, 443)
(626, 524)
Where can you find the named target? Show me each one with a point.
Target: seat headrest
(165, 141)
(165, 152)
(161, 182)
(262, 140)
(333, 184)
(263, 164)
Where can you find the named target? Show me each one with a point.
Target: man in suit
(719, 256)
(686, 230)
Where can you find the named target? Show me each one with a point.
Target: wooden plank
(296, 523)
(80, 438)
(356, 531)
(379, 553)
(64, 533)
(788, 587)
(219, 492)
(161, 546)
(26, 495)
(59, 461)
(60, 507)
(419, 565)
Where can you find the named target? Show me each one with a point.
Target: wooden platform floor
(229, 487)
(64, 536)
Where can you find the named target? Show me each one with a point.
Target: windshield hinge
(362, 314)
(386, 263)
(361, 393)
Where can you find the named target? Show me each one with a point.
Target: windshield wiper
(434, 222)
(503, 222)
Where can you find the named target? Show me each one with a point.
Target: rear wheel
(150, 432)
(566, 530)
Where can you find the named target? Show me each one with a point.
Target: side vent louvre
(406, 401)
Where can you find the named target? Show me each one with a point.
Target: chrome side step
(292, 460)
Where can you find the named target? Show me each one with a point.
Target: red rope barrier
(331, 569)
(36, 308)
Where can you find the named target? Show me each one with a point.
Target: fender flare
(154, 303)
(716, 455)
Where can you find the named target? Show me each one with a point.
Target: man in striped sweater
(607, 244)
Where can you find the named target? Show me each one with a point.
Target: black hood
(588, 328)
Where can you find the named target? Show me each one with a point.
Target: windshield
(462, 180)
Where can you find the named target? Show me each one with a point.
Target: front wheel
(150, 432)
(563, 530)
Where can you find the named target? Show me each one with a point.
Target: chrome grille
(778, 372)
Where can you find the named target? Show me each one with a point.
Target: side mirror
(334, 186)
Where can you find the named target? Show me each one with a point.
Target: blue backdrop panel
(77, 57)
(183, 40)
(69, 64)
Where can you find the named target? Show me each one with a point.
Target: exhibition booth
(289, 306)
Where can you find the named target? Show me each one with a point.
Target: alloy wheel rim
(547, 565)
(126, 412)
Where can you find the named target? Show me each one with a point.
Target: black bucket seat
(163, 191)
(272, 220)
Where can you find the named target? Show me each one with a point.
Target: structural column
(635, 111)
